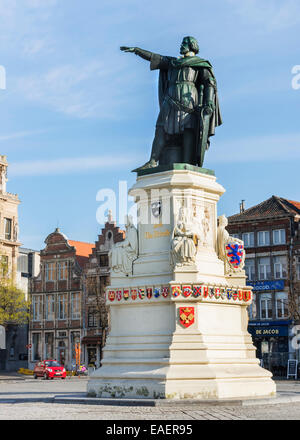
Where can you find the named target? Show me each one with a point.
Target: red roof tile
(296, 204)
(83, 250)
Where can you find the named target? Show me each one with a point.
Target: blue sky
(77, 114)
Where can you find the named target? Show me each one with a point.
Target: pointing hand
(127, 49)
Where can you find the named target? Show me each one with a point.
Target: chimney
(242, 206)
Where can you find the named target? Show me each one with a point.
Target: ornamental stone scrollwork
(230, 249)
(123, 254)
(184, 240)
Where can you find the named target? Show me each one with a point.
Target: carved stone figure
(16, 229)
(206, 226)
(3, 179)
(189, 107)
(124, 253)
(183, 248)
(229, 249)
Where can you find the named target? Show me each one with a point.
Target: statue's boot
(150, 164)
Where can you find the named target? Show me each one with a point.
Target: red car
(49, 368)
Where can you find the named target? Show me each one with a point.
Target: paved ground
(29, 399)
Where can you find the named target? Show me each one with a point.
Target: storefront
(271, 338)
(92, 351)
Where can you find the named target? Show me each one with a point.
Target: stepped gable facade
(96, 278)
(57, 318)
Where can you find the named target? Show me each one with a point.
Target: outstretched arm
(140, 52)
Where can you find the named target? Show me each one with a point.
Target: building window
(92, 317)
(50, 270)
(280, 267)
(36, 346)
(103, 284)
(252, 309)
(62, 306)
(7, 228)
(104, 260)
(250, 268)
(281, 305)
(75, 306)
(248, 239)
(263, 238)
(264, 268)
(63, 270)
(49, 346)
(266, 306)
(37, 307)
(235, 235)
(50, 303)
(279, 236)
(92, 285)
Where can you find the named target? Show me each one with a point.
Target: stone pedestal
(179, 332)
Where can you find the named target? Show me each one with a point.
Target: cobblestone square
(30, 399)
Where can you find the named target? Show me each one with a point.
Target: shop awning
(91, 340)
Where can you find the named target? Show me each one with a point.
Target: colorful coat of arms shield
(187, 291)
(134, 294)
(165, 291)
(186, 316)
(149, 292)
(157, 292)
(111, 295)
(235, 254)
(141, 293)
(176, 291)
(196, 291)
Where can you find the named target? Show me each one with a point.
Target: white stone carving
(183, 247)
(123, 254)
(223, 240)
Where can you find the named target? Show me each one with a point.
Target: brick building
(96, 278)
(57, 320)
(271, 235)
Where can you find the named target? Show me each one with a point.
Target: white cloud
(269, 15)
(90, 90)
(33, 47)
(71, 165)
(251, 149)
(20, 134)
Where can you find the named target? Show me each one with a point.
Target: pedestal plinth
(179, 331)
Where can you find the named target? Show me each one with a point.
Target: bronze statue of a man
(189, 108)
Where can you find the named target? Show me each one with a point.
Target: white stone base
(150, 353)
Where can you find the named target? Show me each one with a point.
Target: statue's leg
(188, 146)
(157, 146)
(158, 143)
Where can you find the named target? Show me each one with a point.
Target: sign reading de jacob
(262, 329)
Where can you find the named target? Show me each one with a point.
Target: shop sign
(262, 329)
(266, 285)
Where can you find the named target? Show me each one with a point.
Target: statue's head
(222, 221)
(189, 44)
(128, 221)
